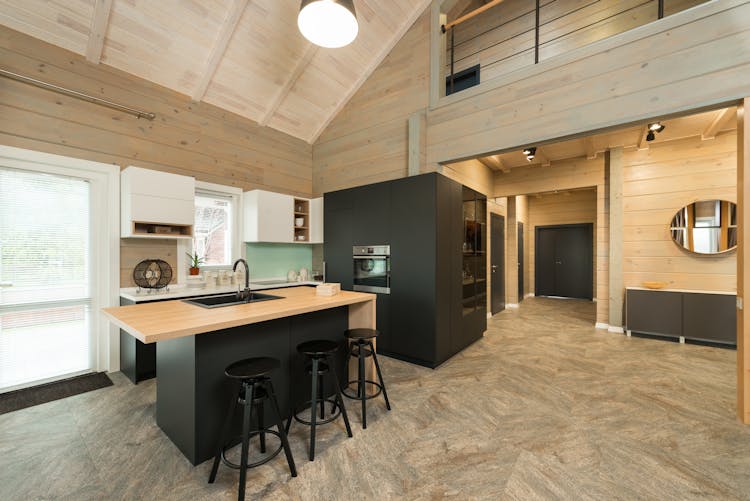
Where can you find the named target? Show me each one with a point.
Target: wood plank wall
(658, 182)
(501, 40)
(630, 77)
(572, 174)
(569, 207)
(187, 138)
(367, 142)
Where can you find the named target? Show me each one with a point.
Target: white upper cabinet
(268, 216)
(316, 220)
(155, 204)
(279, 218)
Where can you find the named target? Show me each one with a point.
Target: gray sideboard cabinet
(687, 315)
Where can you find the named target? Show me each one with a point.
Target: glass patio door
(45, 277)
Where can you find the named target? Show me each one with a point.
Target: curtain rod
(471, 14)
(76, 94)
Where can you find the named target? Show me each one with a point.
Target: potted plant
(195, 263)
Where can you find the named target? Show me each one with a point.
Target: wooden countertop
(152, 322)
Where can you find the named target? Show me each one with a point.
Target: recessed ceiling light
(328, 23)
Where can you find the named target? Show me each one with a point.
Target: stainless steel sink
(230, 299)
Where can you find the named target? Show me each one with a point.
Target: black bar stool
(360, 345)
(320, 353)
(254, 386)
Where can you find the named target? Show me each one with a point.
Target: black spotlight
(656, 127)
(530, 152)
(650, 136)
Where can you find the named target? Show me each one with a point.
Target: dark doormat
(28, 397)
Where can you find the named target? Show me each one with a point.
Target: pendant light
(328, 23)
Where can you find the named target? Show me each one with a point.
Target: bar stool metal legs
(253, 388)
(363, 348)
(320, 354)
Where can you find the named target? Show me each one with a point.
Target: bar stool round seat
(354, 334)
(361, 347)
(319, 362)
(251, 368)
(251, 388)
(318, 348)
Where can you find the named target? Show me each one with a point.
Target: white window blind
(45, 263)
(213, 228)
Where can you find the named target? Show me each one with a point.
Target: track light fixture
(654, 127)
(530, 152)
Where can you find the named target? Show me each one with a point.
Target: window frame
(235, 195)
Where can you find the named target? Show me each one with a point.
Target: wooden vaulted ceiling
(246, 56)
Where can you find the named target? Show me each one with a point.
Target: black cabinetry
(137, 359)
(697, 316)
(436, 307)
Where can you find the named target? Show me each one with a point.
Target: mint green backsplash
(275, 260)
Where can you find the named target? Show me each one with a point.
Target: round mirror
(706, 227)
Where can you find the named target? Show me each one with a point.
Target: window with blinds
(45, 277)
(213, 228)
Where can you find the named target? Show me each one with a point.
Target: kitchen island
(196, 344)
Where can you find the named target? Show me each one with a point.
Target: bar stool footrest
(366, 397)
(266, 459)
(327, 420)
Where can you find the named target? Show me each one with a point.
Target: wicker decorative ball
(152, 274)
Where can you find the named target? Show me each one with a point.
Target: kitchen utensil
(304, 275)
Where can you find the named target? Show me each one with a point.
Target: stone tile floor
(543, 407)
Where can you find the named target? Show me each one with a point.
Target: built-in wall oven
(372, 268)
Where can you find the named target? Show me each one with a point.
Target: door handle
(494, 268)
(558, 262)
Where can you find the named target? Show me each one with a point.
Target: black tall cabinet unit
(437, 232)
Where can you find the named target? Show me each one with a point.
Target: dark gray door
(497, 263)
(520, 262)
(564, 261)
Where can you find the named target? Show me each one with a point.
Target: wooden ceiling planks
(705, 125)
(245, 56)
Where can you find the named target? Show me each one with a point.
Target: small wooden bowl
(654, 285)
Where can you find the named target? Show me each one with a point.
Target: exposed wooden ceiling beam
(588, 145)
(299, 68)
(642, 143)
(494, 162)
(99, 23)
(541, 158)
(718, 123)
(220, 46)
(385, 49)
(473, 13)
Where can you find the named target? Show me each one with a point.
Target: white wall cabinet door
(269, 217)
(316, 220)
(152, 198)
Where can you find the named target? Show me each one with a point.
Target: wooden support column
(614, 175)
(743, 256)
(602, 254)
(417, 142)
(511, 254)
